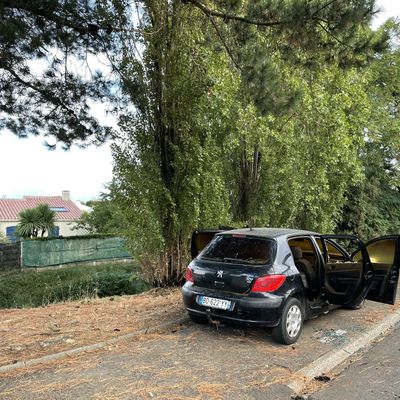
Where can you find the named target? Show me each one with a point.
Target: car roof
(269, 232)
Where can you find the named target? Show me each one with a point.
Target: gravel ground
(183, 362)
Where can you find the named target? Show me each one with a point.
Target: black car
(280, 277)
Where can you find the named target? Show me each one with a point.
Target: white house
(67, 212)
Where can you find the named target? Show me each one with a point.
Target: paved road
(376, 375)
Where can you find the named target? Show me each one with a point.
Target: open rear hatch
(200, 239)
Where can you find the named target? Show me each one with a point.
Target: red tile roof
(10, 208)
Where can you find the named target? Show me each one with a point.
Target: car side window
(380, 252)
(307, 249)
(334, 253)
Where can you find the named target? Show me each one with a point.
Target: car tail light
(268, 283)
(189, 275)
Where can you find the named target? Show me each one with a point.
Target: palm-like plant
(29, 223)
(45, 218)
(35, 220)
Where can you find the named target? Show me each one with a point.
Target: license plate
(215, 303)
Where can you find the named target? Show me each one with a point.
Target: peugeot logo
(219, 274)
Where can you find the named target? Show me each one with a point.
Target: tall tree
(167, 175)
(169, 166)
(175, 61)
(373, 204)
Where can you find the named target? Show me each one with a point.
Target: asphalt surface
(375, 375)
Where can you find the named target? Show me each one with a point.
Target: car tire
(198, 319)
(291, 323)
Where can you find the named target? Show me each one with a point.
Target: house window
(58, 209)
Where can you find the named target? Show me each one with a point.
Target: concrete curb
(332, 359)
(90, 347)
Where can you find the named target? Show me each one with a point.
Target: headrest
(297, 253)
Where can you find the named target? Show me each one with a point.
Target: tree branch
(84, 29)
(46, 94)
(323, 7)
(226, 17)
(332, 35)
(224, 43)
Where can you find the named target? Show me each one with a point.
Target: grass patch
(34, 289)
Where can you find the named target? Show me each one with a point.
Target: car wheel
(291, 323)
(198, 318)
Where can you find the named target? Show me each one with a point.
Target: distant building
(67, 212)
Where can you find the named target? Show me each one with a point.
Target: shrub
(33, 289)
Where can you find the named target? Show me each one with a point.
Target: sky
(27, 167)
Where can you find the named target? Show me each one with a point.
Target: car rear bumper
(259, 311)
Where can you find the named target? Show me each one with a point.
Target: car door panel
(345, 280)
(373, 273)
(342, 277)
(384, 256)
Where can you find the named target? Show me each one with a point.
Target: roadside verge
(326, 363)
(90, 347)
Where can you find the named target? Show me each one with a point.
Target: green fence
(45, 253)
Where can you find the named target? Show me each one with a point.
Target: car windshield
(239, 248)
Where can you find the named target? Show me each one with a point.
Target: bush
(33, 289)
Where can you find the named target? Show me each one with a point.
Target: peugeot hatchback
(280, 277)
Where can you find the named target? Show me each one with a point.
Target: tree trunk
(248, 183)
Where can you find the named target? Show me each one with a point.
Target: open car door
(201, 238)
(384, 255)
(346, 279)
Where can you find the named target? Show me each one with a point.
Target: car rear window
(239, 248)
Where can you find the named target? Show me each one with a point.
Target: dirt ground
(34, 332)
(184, 361)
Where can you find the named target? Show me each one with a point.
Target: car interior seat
(305, 267)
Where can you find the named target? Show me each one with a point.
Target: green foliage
(240, 124)
(168, 175)
(51, 95)
(299, 32)
(303, 169)
(105, 217)
(35, 220)
(45, 218)
(372, 207)
(35, 289)
(244, 112)
(28, 226)
(76, 237)
(293, 170)
(62, 36)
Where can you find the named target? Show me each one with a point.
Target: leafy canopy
(49, 50)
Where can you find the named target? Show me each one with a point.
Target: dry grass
(31, 333)
(214, 391)
(157, 365)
